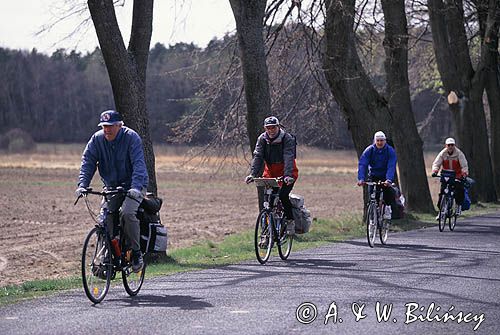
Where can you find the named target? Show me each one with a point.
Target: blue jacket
(380, 163)
(120, 162)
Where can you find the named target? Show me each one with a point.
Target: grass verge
(233, 249)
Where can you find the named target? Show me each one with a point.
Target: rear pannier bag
(153, 233)
(398, 207)
(151, 204)
(301, 215)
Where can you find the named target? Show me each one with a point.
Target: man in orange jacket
(275, 151)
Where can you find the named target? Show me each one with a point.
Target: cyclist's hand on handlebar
(80, 191)
(434, 174)
(134, 193)
(289, 180)
(387, 183)
(249, 179)
(361, 182)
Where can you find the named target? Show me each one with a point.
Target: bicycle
(375, 215)
(447, 205)
(103, 254)
(271, 226)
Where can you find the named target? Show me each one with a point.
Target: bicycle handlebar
(88, 190)
(377, 183)
(461, 180)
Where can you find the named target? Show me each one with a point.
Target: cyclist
(275, 151)
(117, 152)
(380, 160)
(451, 159)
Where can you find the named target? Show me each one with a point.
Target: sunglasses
(271, 127)
(450, 145)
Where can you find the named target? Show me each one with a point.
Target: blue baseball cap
(109, 118)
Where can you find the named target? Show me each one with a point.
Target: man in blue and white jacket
(117, 152)
(379, 160)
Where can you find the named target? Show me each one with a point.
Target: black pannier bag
(153, 234)
(151, 204)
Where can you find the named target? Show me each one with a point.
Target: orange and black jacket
(276, 156)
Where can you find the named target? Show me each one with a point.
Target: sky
(174, 21)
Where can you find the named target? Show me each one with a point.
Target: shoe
(387, 213)
(137, 261)
(264, 241)
(290, 227)
(437, 217)
(459, 210)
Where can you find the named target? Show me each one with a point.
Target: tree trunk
(364, 109)
(455, 67)
(127, 68)
(249, 17)
(409, 144)
(490, 47)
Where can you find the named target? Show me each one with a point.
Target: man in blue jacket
(379, 159)
(117, 152)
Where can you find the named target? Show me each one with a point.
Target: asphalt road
(436, 283)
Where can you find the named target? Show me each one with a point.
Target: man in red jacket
(452, 159)
(275, 151)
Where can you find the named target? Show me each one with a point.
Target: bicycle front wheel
(443, 211)
(96, 265)
(452, 220)
(383, 231)
(263, 237)
(371, 224)
(132, 281)
(284, 243)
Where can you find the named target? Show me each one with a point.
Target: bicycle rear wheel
(263, 241)
(96, 265)
(132, 281)
(383, 231)
(371, 224)
(285, 242)
(443, 211)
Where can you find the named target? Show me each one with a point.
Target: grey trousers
(128, 219)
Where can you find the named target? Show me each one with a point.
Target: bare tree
(365, 109)
(127, 67)
(249, 16)
(462, 81)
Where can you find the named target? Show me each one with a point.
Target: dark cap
(271, 121)
(109, 118)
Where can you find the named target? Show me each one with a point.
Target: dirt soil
(43, 233)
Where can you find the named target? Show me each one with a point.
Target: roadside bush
(17, 140)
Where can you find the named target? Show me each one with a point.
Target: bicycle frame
(377, 205)
(110, 258)
(270, 226)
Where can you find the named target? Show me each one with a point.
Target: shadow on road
(184, 302)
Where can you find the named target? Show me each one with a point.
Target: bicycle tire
(263, 231)
(452, 220)
(96, 278)
(371, 224)
(443, 212)
(132, 281)
(284, 243)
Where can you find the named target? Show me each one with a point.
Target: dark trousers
(285, 200)
(459, 192)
